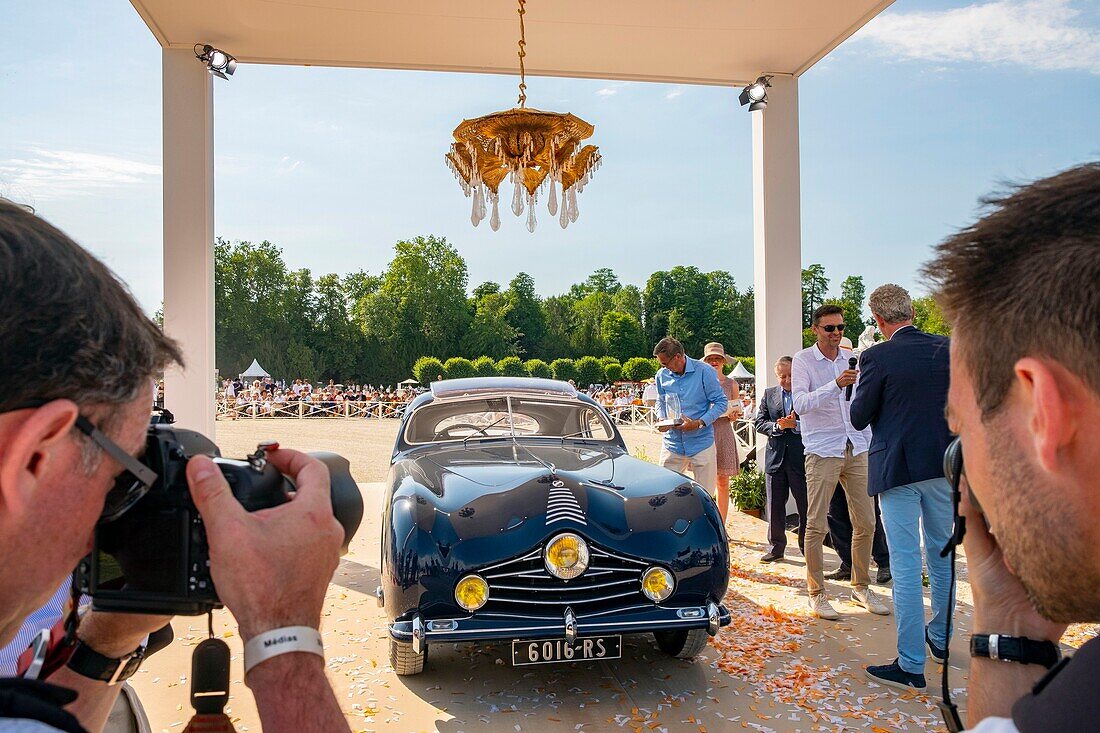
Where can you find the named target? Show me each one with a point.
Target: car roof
(478, 385)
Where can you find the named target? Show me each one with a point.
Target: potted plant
(747, 490)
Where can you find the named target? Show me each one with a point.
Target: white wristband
(288, 639)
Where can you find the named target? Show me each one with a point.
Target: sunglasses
(130, 485)
(831, 328)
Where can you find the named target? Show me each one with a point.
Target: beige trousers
(703, 466)
(822, 475)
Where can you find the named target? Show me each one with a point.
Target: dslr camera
(155, 558)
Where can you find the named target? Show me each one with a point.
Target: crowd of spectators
(270, 398)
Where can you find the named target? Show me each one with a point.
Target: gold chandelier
(537, 151)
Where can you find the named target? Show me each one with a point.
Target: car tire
(404, 660)
(683, 644)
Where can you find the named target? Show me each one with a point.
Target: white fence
(627, 415)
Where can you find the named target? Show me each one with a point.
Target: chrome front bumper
(480, 627)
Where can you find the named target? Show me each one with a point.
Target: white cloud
(1048, 35)
(607, 92)
(677, 92)
(51, 174)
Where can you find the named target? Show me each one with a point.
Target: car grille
(523, 585)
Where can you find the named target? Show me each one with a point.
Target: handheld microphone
(848, 389)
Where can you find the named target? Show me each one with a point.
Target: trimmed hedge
(538, 368)
(564, 369)
(458, 368)
(427, 369)
(613, 372)
(511, 366)
(589, 371)
(486, 367)
(639, 369)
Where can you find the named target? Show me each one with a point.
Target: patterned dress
(725, 444)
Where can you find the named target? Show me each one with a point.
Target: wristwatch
(1015, 649)
(87, 662)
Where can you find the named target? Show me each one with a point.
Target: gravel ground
(367, 444)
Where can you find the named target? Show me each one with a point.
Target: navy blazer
(783, 445)
(902, 395)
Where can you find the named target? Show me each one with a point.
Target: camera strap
(210, 685)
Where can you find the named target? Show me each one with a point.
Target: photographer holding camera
(78, 357)
(1021, 288)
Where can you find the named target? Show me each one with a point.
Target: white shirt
(823, 412)
(995, 725)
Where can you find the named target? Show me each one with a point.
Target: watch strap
(89, 663)
(1015, 649)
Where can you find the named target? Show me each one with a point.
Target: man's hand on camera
(271, 567)
(1001, 605)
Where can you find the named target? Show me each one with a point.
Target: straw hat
(715, 348)
(846, 343)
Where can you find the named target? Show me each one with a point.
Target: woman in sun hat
(725, 444)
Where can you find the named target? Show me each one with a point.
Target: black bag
(40, 701)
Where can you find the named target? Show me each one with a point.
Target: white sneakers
(820, 606)
(870, 601)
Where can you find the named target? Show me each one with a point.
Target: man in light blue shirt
(690, 444)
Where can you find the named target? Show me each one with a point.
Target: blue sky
(903, 128)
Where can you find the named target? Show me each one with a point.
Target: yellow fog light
(472, 592)
(567, 556)
(657, 584)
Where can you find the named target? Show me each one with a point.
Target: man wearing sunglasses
(1021, 289)
(78, 357)
(835, 451)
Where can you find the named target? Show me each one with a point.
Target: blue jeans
(904, 509)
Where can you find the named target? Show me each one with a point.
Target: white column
(777, 229)
(188, 107)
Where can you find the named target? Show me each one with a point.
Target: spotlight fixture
(755, 95)
(217, 61)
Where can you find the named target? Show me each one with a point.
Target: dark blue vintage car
(514, 512)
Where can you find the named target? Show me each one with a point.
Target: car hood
(533, 489)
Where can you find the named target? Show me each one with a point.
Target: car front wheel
(683, 644)
(404, 660)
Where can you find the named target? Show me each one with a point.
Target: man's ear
(1048, 391)
(33, 439)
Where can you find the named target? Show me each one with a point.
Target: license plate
(546, 651)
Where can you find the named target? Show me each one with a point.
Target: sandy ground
(774, 669)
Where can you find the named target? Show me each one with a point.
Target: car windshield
(505, 416)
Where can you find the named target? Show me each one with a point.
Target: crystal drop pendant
(573, 211)
(494, 222)
(480, 202)
(517, 199)
(564, 218)
(474, 218)
(531, 223)
(552, 199)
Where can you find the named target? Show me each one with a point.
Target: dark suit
(784, 470)
(902, 394)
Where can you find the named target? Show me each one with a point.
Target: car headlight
(472, 592)
(566, 556)
(657, 584)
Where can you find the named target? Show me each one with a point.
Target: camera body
(155, 558)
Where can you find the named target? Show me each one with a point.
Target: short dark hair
(828, 309)
(68, 328)
(1016, 282)
(668, 346)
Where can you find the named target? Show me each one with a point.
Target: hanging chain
(522, 53)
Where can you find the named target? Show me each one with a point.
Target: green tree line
(372, 328)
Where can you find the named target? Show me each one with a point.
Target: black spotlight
(217, 61)
(756, 95)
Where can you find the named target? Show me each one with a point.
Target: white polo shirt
(824, 413)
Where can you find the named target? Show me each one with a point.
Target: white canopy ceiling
(724, 42)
